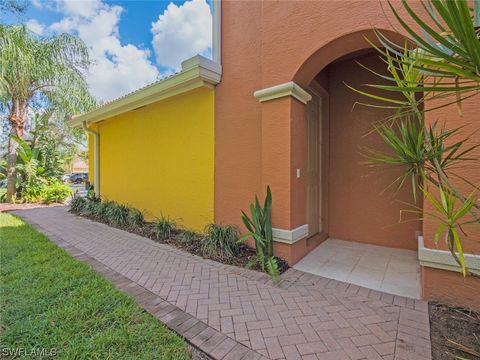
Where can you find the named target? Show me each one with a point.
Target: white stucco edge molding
(442, 259)
(282, 90)
(196, 72)
(217, 31)
(290, 236)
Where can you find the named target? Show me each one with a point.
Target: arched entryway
(355, 200)
(332, 197)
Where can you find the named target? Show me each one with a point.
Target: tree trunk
(17, 122)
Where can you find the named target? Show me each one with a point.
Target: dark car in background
(78, 178)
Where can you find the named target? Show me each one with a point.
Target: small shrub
(33, 193)
(273, 270)
(118, 214)
(136, 218)
(78, 204)
(220, 241)
(56, 192)
(164, 228)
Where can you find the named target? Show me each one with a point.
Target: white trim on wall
(286, 89)
(442, 259)
(290, 236)
(217, 31)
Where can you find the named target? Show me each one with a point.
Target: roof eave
(196, 72)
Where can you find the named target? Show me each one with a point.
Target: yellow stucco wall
(160, 158)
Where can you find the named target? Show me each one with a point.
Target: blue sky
(132, 43)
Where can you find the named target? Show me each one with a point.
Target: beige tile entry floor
(394, 271)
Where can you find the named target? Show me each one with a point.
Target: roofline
(196, 72)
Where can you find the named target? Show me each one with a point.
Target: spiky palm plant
(441, 63)
(33, 68)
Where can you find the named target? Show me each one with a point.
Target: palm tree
(46, 71)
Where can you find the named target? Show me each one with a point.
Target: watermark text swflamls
(40, 352)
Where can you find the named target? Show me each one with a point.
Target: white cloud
(182, 32)
(117, 69)
(36, 3)
(85, 8)
(35, 26)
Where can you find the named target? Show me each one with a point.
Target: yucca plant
(406, 137)
(441, 62)
(164, 228)
(220, 241)
(450, 215)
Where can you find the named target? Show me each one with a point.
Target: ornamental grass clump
(136, 218)
(220, 241)
(189, 237)
(119, 215)
(91, 208)
(103, 210)
(164, 228)
(78, 204)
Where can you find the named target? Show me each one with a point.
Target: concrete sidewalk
(234, 313)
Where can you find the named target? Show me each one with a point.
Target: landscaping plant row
(221, 243)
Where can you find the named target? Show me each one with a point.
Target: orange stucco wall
(468, 120)
(238, 126)
(450, 287)
(363, 205)
(266, 43)
(263, 144)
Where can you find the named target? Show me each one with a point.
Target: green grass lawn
(51, 301)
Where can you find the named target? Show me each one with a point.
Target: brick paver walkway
(306, 317)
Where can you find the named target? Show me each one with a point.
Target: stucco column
(276, 158)
(284, 158)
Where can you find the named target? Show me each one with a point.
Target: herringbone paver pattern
(306, 317)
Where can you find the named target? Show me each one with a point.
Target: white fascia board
(442, 259)
(286, 89)
(196, 72)
(217, 31)
(290, 236)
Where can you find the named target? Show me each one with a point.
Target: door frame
(322, 93)
(316, 207)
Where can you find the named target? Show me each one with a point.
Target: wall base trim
(290, 236)
(442, 259)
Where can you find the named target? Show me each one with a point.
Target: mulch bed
(245, 255)
(455, 332)
(12, 207)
